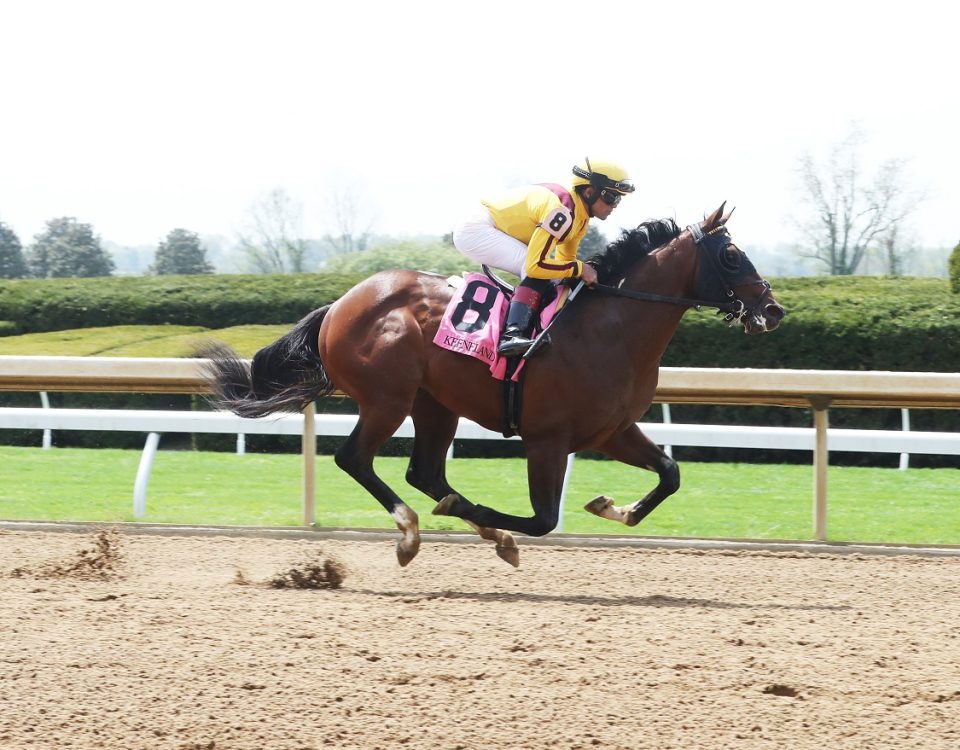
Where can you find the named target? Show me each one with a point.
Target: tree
(274, 242)
(891, 248)
(352, 226)
(592, 243)
(12, 263)
(848, 214)
(68, 249)
(180, 253)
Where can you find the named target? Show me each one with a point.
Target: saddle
(471, 325)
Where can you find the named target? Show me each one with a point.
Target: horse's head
(726, 275)
(707, 269)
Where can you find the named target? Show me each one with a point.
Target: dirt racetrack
(178, 642)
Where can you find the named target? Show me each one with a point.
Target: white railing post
(309, 449)
(905, 424)
(563, 490)
(47, 434)
(821, 458)
(241, 444)
(143, 475)
(668, 449)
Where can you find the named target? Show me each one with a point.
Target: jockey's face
(599, 208)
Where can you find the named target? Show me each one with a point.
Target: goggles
(610, 197)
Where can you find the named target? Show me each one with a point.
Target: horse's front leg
(634, 448)
(546, 464)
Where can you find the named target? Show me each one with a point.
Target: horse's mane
(632, 244)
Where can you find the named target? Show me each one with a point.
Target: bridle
(724, 275)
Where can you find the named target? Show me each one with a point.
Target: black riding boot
(516, 332)
(523, 312)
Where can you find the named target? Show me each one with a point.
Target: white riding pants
(478, 238)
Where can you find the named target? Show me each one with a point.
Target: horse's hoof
(598, 505)
(510, 554)
(507, 549)
(445, 506)
(405, 553)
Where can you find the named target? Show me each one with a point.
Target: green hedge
(832, 323)
(843, 323)
(836, 323)
(215, 301)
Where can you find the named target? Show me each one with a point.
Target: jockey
(534, 231)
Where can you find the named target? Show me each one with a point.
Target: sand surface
(178, 642)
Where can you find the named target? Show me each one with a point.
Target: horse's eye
(732, 257)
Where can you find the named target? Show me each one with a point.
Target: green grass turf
(139, 341)
(917, 506)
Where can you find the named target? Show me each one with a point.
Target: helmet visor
(623, 186)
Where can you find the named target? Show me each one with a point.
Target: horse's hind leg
(435, 427)
(375, 425)
(634, 448)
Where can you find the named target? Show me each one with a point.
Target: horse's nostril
(774, 312)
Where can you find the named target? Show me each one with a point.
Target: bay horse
(586, 391)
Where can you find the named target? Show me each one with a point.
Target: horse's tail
(285, 375)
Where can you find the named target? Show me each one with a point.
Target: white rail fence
(156, 423)
(812, 389)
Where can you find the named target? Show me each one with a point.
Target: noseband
(720, 282)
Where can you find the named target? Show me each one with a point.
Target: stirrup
(513, 347)
(516, 346)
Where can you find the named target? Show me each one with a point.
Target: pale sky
(139, 117)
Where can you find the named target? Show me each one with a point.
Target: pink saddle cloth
(472, 322)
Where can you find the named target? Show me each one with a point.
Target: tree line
(68, 248)
(270, 242)
(846, 215)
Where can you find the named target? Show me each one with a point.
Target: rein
(733, 310)
(615, 291)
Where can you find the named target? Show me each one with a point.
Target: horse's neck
(669, 271)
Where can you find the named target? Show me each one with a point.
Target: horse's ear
(713, 220)
(728, 214)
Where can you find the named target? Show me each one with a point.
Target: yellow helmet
(603, 175)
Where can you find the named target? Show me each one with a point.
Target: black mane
(612, 263)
